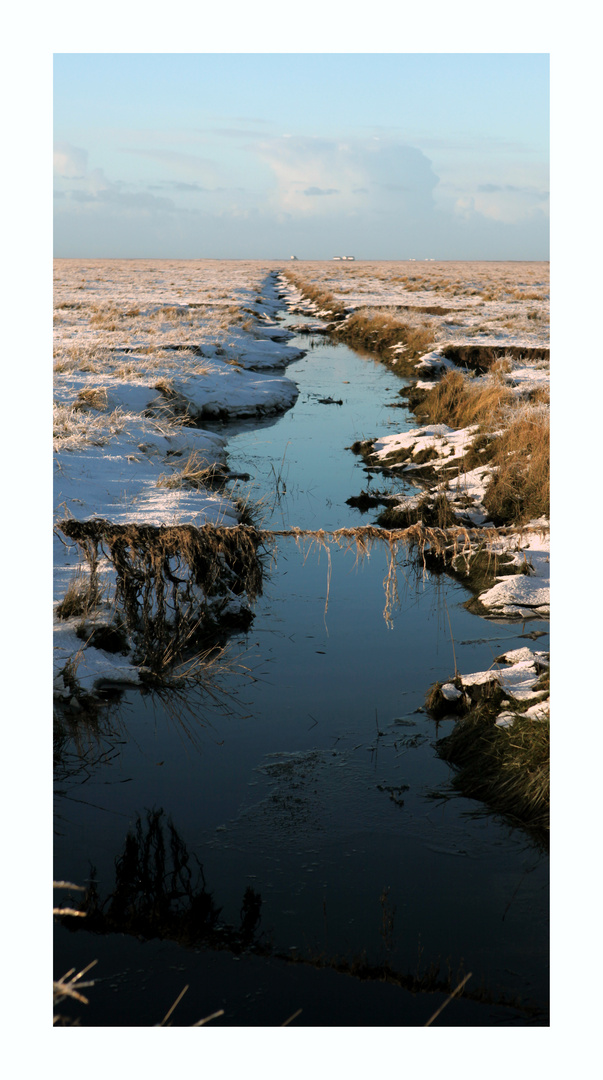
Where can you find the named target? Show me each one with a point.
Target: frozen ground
(477, 303)
(518, 673)
(144, 352)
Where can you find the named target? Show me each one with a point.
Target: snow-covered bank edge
(508, 569)
(127, 453)
(500, 742)
(445, 462)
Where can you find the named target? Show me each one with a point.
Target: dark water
(309, 791)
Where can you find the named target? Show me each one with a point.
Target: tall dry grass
(520, 486)
(460, 402)
(515, 441)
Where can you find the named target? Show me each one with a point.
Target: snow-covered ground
(517, 672)
(477, 303)
(143, 350)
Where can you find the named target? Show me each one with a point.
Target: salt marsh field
(253, 798)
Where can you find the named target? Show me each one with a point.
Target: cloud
(509, 203)
(396, 177)
(182, 162)
(125, 200)
(69, 161)
(232, 133)
(180, 185)
(378, 198)
(321, 191)
(535, 193)
(88, 190)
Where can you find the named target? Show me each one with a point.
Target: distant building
(337, 258)
(294, 256)
(350, 258)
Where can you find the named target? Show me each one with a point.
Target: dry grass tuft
(82, 596)
(377, 331)
(74, 428)
(508, 768)
(92, 398)
(172, 582)
(459, 402)
(194, 473)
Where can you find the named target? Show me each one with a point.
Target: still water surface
(312, 783)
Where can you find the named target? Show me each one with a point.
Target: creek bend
(312, 795)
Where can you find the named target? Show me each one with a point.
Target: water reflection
(160, 892)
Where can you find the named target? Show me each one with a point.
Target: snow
(446, 441)
(517, 678)
(91, 667)
(227, 391)
(524, 594)
(517, 595)
(450, 692)
(129, 347)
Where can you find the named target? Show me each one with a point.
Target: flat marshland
(221, 430)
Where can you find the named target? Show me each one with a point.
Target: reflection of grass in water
(160, 892)
(173, 583)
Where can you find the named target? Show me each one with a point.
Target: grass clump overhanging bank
(174, 586)
(505, 767)
(163, 597)
(500, 741)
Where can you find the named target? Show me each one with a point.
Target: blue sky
(383, 156)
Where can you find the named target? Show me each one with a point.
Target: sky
(377, 155)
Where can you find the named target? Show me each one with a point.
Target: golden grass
(517, 444)
(520, 486)
(74, 428)
(194, 473)
(508, 768)
(379, 330)
(459, 402)
(81, 597)
(93, 397)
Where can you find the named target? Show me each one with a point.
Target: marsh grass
(74, 428)
(172, 582)
(93, 397)
(507, 768)
(370, 329)
(195, 473)
(513, 439)
(82, 596)
(460, 402)
(380, 331)
(317, 293)
(520, 486)
(165, 576)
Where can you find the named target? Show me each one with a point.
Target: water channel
(305, 807)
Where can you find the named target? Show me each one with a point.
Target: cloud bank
(273, 195)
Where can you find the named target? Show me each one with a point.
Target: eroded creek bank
(300, 812)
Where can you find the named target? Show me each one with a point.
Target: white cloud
(393, 176)
(69, 161)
